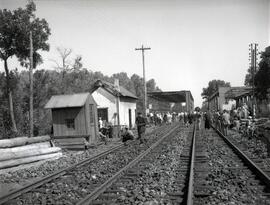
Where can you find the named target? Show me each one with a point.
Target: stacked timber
(71, 142)
(23, 150)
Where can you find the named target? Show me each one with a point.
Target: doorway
(103, 113)
(129, 118)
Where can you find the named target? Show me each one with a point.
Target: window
(70, 123)
(91, 109)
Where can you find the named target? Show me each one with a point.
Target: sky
(192, 41)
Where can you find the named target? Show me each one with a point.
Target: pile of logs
(23, 150)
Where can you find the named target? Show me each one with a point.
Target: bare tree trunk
(10, 101)
(31, 123)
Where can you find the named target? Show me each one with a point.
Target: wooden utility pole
(31, 87)
(116, 85)
(253, 48)
(144, 79)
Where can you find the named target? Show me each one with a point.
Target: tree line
(51, 82)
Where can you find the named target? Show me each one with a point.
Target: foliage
(15, 27)
(248, 78)
(48, 83)
(213, 87)
(27, 21)
(261, 79)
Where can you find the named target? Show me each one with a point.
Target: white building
(105, 94)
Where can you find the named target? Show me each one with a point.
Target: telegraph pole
(253, 48)
(144, 80)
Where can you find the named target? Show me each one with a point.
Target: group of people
(222, 120)
(141, 127)
(159, 118)
(126, 133)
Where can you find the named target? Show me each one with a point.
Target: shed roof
(64, 101)
(172, 96)
(112, 89)
(236, 92)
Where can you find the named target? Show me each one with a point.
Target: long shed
(74, 116)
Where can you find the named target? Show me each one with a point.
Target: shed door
(129, 118)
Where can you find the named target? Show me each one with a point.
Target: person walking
(141, 124)
(226, 122)
(207, 120)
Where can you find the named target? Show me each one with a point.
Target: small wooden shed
(74, 119)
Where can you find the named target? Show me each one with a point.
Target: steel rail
(98, 191)
(190, 193)
(252, 166)
(54, 175)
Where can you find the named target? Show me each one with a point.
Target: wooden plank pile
(72, 142)
(23, 150)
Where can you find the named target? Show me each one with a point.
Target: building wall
(218, 101)
(189, 103)
(91, 119)
(124, 113)
(221, 99)
(59, 124)
(106, 100)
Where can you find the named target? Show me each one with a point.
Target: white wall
(124, 117)
(229, 105)
(106, 100)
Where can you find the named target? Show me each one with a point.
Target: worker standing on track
(207, 120)
(141, 123)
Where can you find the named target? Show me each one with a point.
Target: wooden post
(116, 84)
(144, 78)
(31, 88)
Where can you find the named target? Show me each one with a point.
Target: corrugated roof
(171, 96)
(63, 101)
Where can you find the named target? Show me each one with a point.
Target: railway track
(42, 181)
(141, 182)
(232, 177)
(189, 181)
(184, 166)
(68, 185)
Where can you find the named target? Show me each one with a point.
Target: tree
(33, 36)
(261, 79)
(213, 87)
(151, 86)
(64, 54)
(248, 78)
(139, 90)
(124, 81)
(77, 65)
(8, 36)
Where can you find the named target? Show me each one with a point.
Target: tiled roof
(113, 90)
